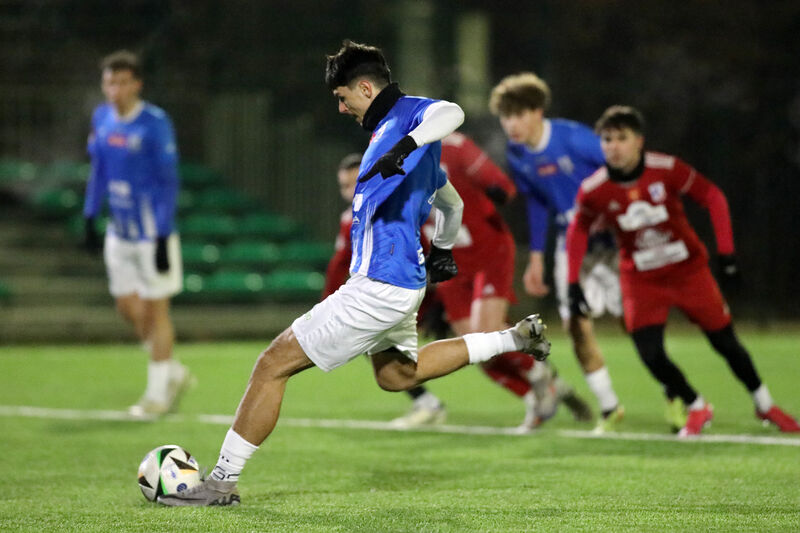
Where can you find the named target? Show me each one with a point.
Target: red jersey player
(477, 299)
(663, 264)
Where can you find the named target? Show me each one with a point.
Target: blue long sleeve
(167, 181)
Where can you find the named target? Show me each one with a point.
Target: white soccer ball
(166, 470)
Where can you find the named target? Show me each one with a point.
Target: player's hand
(92, 241)
(440, 265)
(162, 260)
(533, 282)
(578, 306)
(391, 162)
(728, 271)
(496, 194)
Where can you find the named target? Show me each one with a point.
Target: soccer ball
(166, 470)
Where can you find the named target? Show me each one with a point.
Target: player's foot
(180, 380)
(421, 416)
(609, 422)
(530, 332)
(148, 408)
(785, 422)
(697, 420)
(532, 419)
(577, 406)
(675, 413)
(209, 492)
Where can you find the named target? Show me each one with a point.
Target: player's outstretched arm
(448, 210)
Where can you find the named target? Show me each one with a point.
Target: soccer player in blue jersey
(134, 167)
(548, 159)
(374, 312)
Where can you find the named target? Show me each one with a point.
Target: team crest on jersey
(657, 191)
(565, 164)
(358, 199)
(641, 215)
(134, 142)
(613, 205)
(378, 134)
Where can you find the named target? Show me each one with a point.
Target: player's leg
(584, 341)
(707, 308)
(131, 309)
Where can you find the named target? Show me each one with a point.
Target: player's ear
(365, 88)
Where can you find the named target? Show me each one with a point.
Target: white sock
(157, 379)
(699, 403)
(427, 401)
(762, 399)
(232, 457)
(599, 382)
(484, 346)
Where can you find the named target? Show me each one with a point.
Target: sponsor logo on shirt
(641, 215)
(547, 170)
(378, 134)
(613, 205)
(118, 140)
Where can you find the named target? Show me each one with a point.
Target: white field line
(226, 420)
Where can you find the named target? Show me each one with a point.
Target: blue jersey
(388, 213)
(135, 166)
(549, 175)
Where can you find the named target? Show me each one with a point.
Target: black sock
(728, 346)
(416, 392)
(649, 343)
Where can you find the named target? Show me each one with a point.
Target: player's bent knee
(282, 358)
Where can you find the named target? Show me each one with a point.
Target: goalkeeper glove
(162, 260)
(578, 306)
(92, 241)
(440, 265)
(391, 162)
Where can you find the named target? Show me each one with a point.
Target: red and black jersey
(647, 215)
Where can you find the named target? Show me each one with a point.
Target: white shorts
(131, 268)
(363, 316)
(599, 279)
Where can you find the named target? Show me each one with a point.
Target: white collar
(132, 115)
(547, 132)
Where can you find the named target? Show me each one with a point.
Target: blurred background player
(427, 409)
(134, 165)
(477, 299)
(548, 159)
(663, 264)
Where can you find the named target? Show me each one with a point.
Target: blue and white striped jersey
(388, 213)
(135, 166)
(548, 175)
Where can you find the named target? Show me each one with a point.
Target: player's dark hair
(122, 60)
(619, 117)
(350, 161)
(518, 92)
(354, 60)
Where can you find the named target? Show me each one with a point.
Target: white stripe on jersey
(148, 220)
(656, 160)
(366, 241)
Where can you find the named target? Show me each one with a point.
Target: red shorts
(646, 300)
(494, 278)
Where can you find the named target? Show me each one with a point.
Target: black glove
(497, 195)
(440, 265)
(727, 271)
(391, 162)
(92, 241)
(578, 306)
(162, 261)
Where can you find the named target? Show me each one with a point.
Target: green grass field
(79, 474)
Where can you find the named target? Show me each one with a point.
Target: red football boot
(696, 420)
(785, 422)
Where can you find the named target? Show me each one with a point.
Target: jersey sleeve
(700, 189)
(478, 167)
(97, 184)
(165, 155)
(538, 212)
(578, 238)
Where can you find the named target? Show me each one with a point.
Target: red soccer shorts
(494, 279)
(647, 300)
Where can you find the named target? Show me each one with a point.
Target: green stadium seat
(14, 171)
(268, 226)
(66, 172)
(76, 226)
(308, 254)
(187, 201)
(5, 293)
(256, 255)
(196, 176)
(209, 227)
(222, 199)
(56, 203)
(286, 285)
(200, 256)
